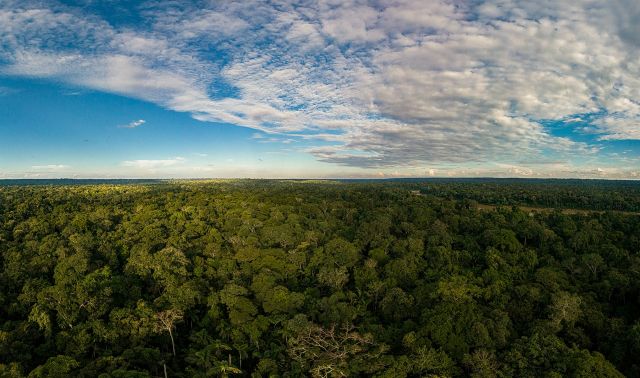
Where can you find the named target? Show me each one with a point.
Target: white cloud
(376, 83)
(617, 127)
(133, 124)
(154, 164)
(202, 23)
(50, 167)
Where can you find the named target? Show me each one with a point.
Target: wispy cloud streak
(133, 124)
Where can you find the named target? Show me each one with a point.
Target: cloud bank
(372, 84)
(154, 164)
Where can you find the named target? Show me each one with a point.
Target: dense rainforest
(323, 279)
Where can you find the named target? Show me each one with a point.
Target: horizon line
(319, 178)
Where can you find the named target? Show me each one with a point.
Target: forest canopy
(262, 278)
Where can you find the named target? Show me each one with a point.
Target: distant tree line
(574, 194)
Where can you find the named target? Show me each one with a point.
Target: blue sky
(322, 88)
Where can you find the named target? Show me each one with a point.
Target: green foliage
(55, 367)
(325, 279)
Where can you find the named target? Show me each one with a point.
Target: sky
(319, 89)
